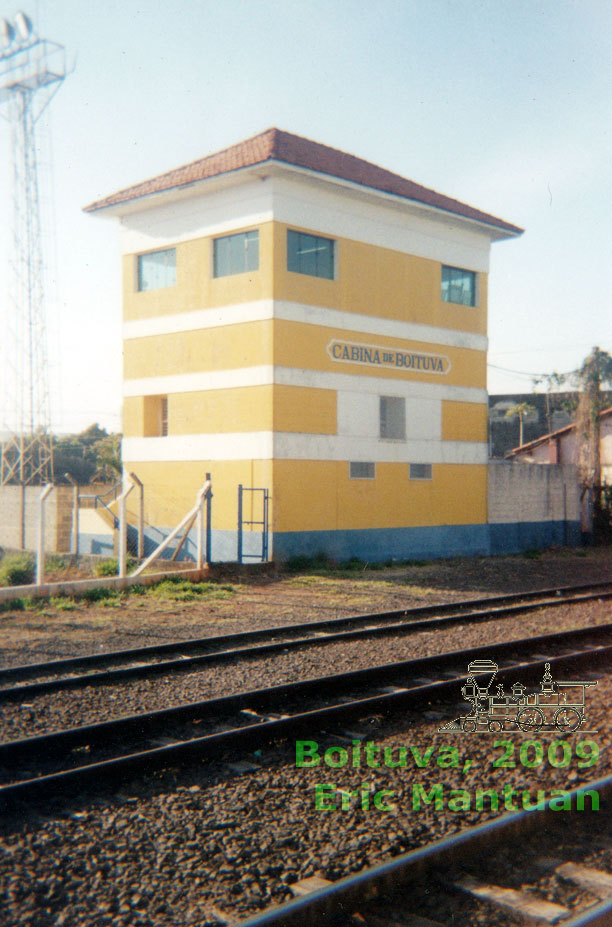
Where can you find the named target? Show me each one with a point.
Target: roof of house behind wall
(276, 145)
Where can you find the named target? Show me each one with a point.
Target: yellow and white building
(298, 319)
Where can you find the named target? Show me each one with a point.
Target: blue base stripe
(380, 545)
(374, 545)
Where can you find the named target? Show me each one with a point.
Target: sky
(504, 104)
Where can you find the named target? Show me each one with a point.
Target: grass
(177, 590)
(63, 604)
(17, 570)
(110, 566)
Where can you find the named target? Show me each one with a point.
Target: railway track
(19, 683)
(107, 752)
(526, 867)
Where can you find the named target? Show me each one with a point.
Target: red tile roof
(275, 145)
(552, 435)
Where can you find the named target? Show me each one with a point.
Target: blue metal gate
(253, 524)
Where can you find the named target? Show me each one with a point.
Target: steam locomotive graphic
(557, 706)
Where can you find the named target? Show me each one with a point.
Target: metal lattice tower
(31, 72)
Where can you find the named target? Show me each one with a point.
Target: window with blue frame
(459, 286)
(157, 269)
(236, 254)
(310, 254)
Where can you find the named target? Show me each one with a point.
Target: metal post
(208, 518)
(122, 568)
(40, 541)
(239, 522)
(74, 535)
(135, 479)
(22, 517)
(200, 532)
(266, 503)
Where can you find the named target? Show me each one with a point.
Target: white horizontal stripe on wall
(383, 220)
(199, 382)
(264, 445)
(308, 201)
(374, 325)
(199, 319)
(189, 214)
(290, 376)
(265, 309)
(254, 445)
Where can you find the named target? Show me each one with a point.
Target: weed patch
(184, 591)
(110, 567)
(99, 594)
(17, 570)
(63, 604)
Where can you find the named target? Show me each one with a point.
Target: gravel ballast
(213, 843)
(87, 705)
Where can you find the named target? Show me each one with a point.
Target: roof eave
(495, 231)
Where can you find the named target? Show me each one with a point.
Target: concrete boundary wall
(533, 506)
(19, 517)
(78, 587)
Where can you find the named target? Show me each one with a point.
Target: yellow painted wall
(196, 288)
(309, 411)
(171, 488)
(312, 495)
(305, 346)
(253, 408)
(380, 282)
(227, 348)
(316, 495)
(216, 411)
(370, 280)
(306, 495)
(464, 421)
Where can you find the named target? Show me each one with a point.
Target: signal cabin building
(299, 319)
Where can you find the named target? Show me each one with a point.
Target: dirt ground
(236, 599)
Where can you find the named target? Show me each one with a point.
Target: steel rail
(305, 717)
(220, 649)
(327, 905)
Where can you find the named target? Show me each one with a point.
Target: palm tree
(520, 410)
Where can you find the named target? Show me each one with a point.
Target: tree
(556, 400)
(520, 410)
(595, 372)
(108, 452)
(92, 454)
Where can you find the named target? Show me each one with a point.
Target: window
(459, 286)
(236, 254)
(359, 470)
(393, 417)
(157, 269)
(310, 254)
(155, 422)
(420, 471)
(163, 416)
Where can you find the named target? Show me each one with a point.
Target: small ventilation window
(359, 470)
(420, 471)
